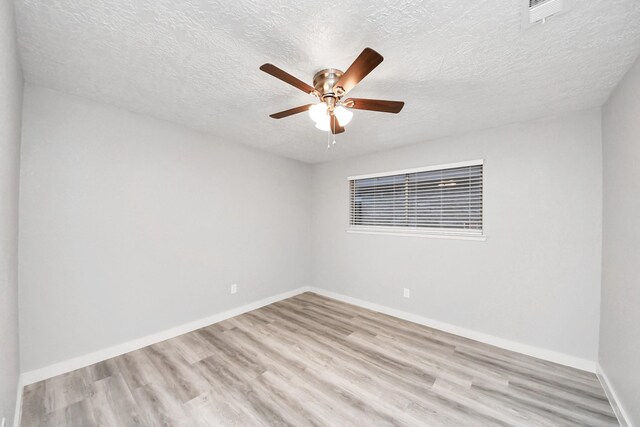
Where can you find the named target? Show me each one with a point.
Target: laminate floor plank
(314, 361)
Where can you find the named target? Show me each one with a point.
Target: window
(440, 200)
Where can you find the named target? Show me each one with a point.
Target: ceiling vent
(538, 11)
(533, 3)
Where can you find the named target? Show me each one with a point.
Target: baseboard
(616, 404)
(540, 353)
(17, 415)
(30, 377)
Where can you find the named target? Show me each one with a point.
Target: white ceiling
(458, 64)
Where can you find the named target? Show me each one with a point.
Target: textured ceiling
(458, 64)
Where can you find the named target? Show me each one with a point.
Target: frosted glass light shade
(324, 124)
(318, 112)
(343, 115)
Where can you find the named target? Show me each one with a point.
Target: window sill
(429, 234)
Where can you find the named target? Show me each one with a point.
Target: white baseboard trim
(17, 415)
(529, 350)
(616, 404)
(30, 377)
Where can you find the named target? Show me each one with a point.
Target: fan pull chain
(329, 132)
(334, 126)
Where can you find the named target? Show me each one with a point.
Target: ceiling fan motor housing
(324, 81)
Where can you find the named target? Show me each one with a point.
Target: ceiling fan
(332, 114)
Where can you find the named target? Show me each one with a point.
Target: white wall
(620, 322)
(131, 225)
(10, 119)
(535, 280)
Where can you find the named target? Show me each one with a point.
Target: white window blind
(444, 200)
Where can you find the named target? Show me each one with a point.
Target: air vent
(544, 9)
(534, 11)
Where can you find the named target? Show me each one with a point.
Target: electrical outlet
(406, 293)
(234, 288)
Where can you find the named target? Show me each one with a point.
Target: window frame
(438, 233)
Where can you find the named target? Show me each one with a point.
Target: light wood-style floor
(314, 361)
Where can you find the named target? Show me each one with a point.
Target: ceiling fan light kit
(330, 85)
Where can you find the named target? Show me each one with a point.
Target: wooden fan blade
(374, 105)
(290, 112)
(335, 126)
(286, 77)
(363, 65)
